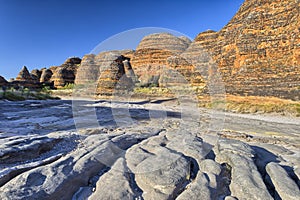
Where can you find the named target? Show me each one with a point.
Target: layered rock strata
(257, 52)
(150, 59)
(106, 73)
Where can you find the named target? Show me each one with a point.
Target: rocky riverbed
(159, 149)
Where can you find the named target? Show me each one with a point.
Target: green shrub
(68, 86)
(13, 97)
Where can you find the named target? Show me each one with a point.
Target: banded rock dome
(152, 53)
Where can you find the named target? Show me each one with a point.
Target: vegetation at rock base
(12, 94)
(253, 104)
(229, 103)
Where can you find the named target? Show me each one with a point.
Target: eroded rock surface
(155, 156)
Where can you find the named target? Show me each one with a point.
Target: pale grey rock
(66, 174)
(159, 172)
(9, 173)
(115, 183)
(165, 181)
(25, 148)
(284, 185)
(212, 180)
(198, 189)
(210, 166)
(246, 181)
(297, 173)
(186, 143)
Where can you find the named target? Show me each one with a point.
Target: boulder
(91, 65)
(73, 61)
(115, 183)
(106, 73)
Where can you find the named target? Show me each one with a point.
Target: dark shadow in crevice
(211, 155)
(135, 188)
(290, 171)
(263, 157)
(223, 182)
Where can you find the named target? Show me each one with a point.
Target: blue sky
(43, 33)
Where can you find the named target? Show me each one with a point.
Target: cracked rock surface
(155, 155)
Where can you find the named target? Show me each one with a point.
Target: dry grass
(252, 104)
(152, 92)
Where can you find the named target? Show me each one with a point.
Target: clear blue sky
(43, 33)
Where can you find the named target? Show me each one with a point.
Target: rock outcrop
(106, 72)
(113, 77)
(36, 74)
(46, 76)
(150, 58)
(65, 73)
(24, 75)
(3, 82)
(25, 79)
(257, 52)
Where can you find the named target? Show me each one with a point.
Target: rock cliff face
(46, 76)
(65, 74)
(150, 58)
(257, 52)
(106, 70)
(113, 76)
(36, 74)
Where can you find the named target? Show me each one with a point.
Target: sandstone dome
(164, 41)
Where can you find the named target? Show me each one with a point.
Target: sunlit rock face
(257, 52)
(107, 72)
(25, 79)
(150, 58)
(46, 76)
(65, 73)
(24, 75)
